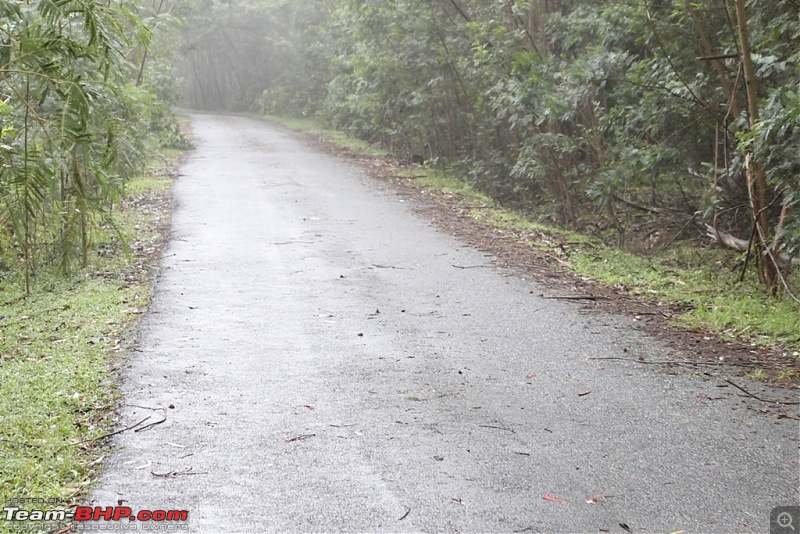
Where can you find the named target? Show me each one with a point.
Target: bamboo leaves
(65, 147)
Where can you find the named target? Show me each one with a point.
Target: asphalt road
(324, 366)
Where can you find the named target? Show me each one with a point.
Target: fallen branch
(104, 436)
(300, 438)
(151, 425)
(576, 297)
(771, 401)
(174, 474)
(737, 243)
(678, 362)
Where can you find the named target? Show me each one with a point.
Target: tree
(630, 119)
(72, 126)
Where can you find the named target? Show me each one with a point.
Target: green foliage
(589, 113)
(73, 127)
(57, 347)
(758, 375)
(701, 285)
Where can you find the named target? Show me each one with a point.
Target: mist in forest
(582, 111)
(231, 52)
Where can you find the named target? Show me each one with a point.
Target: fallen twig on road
(771, 401)
(675, 362)
(498, 428)
(104, 436)
(173, 474)
(151, 425)
(576, 297)
(668, 362)
(408, 511)
(299, 438)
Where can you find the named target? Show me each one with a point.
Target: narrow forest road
(325, 366)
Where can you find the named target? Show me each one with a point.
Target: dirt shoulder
(701, 352)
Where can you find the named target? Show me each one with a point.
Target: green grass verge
(57, 388)
(58, 348)
(699, 281)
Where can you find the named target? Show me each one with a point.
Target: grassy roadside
(697, 281)
(59, 347)
(700, 282)
(335, 137)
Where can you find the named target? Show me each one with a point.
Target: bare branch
(460, 11)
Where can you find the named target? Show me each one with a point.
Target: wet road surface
(331, 369)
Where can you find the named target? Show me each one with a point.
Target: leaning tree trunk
(756, 177)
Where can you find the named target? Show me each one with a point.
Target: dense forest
(640, 120)
(83, 85)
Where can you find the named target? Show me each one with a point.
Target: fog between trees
(626, 117)
(640, 121)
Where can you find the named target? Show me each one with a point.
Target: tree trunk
(718, 66)
(756, 177)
